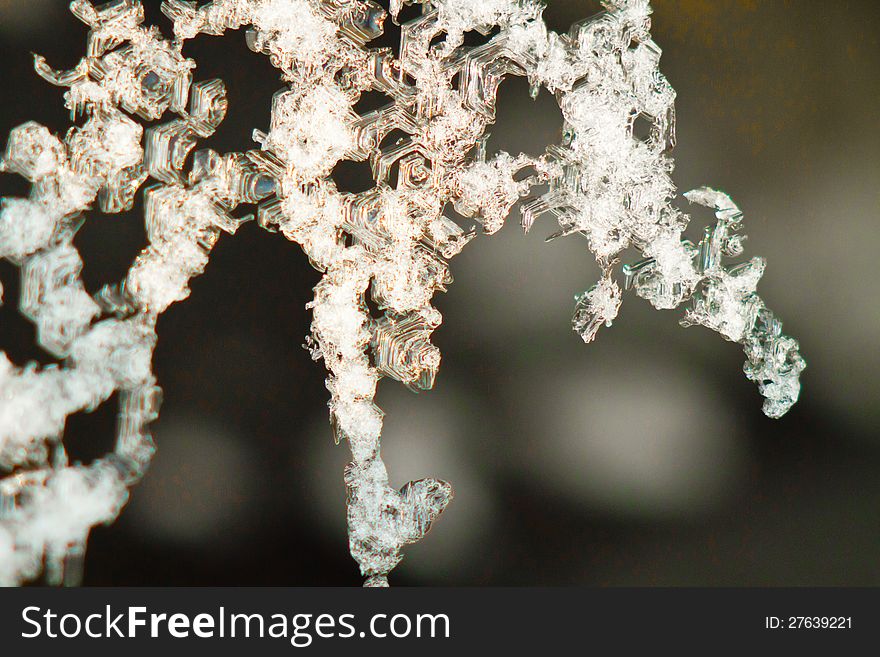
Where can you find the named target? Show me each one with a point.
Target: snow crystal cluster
(392, 242)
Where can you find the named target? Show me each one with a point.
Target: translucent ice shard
(595, 307)
(726, 302)
(382, 520)
(608, 180)
(403, 350)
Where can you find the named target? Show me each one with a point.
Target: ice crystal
(604, 182)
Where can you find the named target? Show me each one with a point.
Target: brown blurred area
(640, 459)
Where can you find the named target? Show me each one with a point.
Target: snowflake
(391, 242)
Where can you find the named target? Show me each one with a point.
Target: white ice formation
(391, 242)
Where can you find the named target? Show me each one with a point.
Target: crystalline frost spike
(607, 181)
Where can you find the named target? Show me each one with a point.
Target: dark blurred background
(641, 459)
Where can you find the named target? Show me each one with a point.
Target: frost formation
(391, 242)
